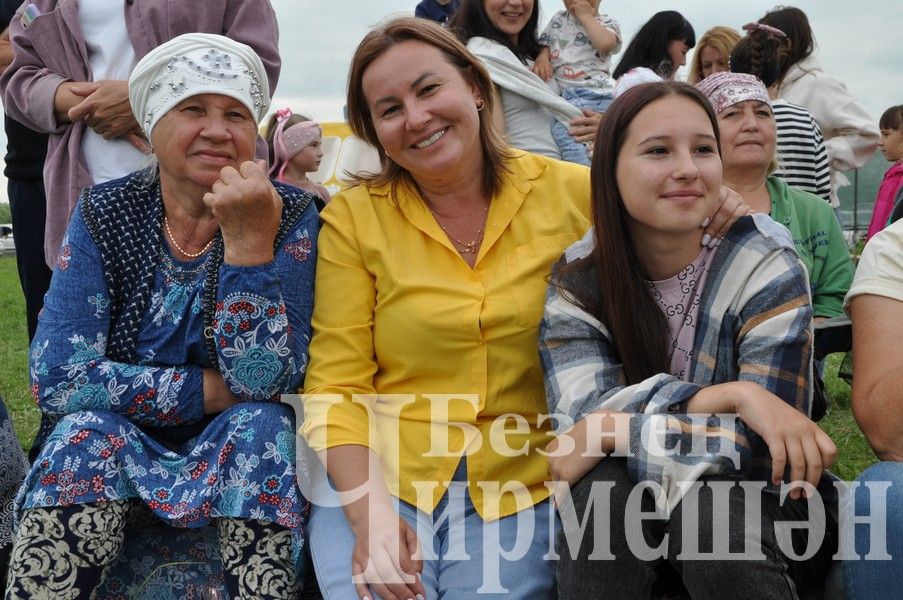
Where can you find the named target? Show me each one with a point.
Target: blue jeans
(463, 555)
(866, 579)
(572, 150)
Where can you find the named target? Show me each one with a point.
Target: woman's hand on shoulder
(793, 439)
(386, 558)
(248, 210)
(731, 207)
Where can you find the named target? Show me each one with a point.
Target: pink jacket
(51, 50)
(884, 201)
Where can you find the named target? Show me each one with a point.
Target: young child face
(891, 144)
(308, 160)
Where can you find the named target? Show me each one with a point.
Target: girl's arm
(583, 376)
(773, 392)
(542, 65)
(69, 368)
(585, 389)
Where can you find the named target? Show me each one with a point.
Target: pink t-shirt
(678, 297)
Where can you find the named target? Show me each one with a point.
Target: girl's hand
(386, 559)
(730, 208)
(573, 453)
(792, 438)
(581, 9)
(542, 66)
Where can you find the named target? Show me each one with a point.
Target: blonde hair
(723, 39)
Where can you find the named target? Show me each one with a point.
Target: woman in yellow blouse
(424, 392)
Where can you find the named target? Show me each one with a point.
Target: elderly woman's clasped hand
(248, 210)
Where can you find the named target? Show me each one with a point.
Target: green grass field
(854, 453)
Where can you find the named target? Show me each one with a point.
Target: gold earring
(480, 104)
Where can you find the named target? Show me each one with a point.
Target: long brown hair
(620, 297)
(378, 42)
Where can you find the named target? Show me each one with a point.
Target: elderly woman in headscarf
(168, 334)
(748, 142)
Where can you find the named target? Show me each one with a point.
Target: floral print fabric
(138, 431)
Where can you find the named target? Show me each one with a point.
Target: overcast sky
(858, 42)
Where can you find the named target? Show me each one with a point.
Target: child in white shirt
(578, 44)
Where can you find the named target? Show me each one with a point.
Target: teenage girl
(644, 328)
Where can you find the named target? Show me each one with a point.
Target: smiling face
(424, 112)
(668, 170)
(711, 61)
(509, 16)
(748, 136)
(891, 144)
(201, 135)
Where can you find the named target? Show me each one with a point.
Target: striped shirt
(802, 157)
(754, 324)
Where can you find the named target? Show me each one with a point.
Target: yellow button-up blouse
(440, 350)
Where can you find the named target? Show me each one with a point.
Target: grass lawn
(854, 453)
(14, 354)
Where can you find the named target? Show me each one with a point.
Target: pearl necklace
(179, 248)
(471, 247)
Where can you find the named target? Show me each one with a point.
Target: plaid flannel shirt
(754, 324)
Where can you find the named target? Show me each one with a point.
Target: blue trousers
(877, 576)
(463, 554)
(572, 150)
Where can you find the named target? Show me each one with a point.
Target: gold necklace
(471, 247)
(178, 247)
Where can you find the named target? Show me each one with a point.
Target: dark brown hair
(892, 118)
(378, 42)
(794, 23)
(760, 54)
(620, 297)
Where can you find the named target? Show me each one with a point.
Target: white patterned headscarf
(725, 89)
(192, 64)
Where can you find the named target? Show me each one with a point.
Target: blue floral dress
(138, 431)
